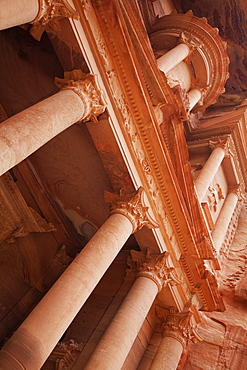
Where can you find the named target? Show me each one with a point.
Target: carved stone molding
(236, 189)
(222, 142)
(85, 86)
(154, 267)
(178, 325)
(191, 42)
(131, 206)
(49, 13)
(65, 354)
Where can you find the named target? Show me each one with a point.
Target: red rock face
(225, 333)
(230, 17)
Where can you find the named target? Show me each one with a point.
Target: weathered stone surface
(225, 333)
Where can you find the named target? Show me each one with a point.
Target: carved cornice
(154, 267)
(133, 123)
(49, 13)
(85, 86)
(131, 206)
(110, 35)
(178, 325)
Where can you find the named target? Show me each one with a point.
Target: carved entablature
(50, 11)
(85, 86)
(178, 325)
(131, 206)
(154, 267)
(17, 219)
(207, 60)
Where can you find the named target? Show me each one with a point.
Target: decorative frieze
(49, 13)
(131, 206)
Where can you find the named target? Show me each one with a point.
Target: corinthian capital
(222, 142)
(178, 325)
(237, 190)
(131, 206)
(50, 11)
(85, 86)
(154, 267)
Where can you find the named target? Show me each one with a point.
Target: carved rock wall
(225, 333)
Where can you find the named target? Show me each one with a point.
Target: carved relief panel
(17, 219)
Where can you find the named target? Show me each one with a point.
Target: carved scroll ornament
(222, 142)
(154, 267)
(85, 86)
(131, 206)
(178, 325)
(49, 13)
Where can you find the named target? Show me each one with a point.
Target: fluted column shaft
(208, 171)
(33, 341)
(173, 57)
(15, 13)
(27, 131)
(119, 337)
(224, 218)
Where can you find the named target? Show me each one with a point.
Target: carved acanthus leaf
(131, 206)
(85, 86)
(154, 267)
(178, 325)
(222, 142)
(49, 13)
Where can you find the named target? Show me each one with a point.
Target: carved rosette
(222, 142)
(178, 325)
(154, 267)
(131, 206)
(85, 86)
(49, 12)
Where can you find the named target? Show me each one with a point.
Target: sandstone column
(24, 133)
(225, 216)
(194, 96)
(219, 148)
(117, 341)
(177, 331)
(173, 57)
(33, 341)
(39, 12)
